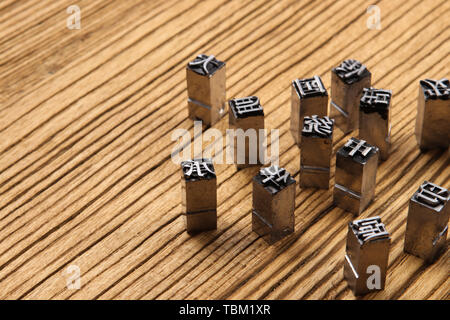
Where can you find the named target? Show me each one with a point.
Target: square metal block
(199, 194)
(205, 78)
(273, 203)
(316, 149)
(427, 223)
(347, 83)
(308, 97)
(433, 114)
(367, 255)
(355, 177)
(374, 119)
(246, 118)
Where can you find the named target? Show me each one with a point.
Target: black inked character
(198, 168)
(205, 65)
(432, 195)
(434, 89)
(248, 106)
(351, 71)
(369, 229)
(314, 125)
(358, 147)
(275, 175)
(311, 87)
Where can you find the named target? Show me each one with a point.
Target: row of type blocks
(355, 104)
(273, 218)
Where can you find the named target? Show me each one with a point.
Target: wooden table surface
(86, 119)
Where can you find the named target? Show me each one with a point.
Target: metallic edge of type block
(199, 195)
(315, 157)
(254, 121)
(355, 178)
(375, 125)
(273, 209)
(360, 254)
(344, 105)
(305, 106)
(427, 223)
(432, 128)
(206, 94)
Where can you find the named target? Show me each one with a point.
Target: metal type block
(316, 149)
(246, 118)
(273, 203)
(433, 114)
(374, 119)
(199, 195)
(308, 97)
(367, 254)
(347, 83)
(206, 89)
(427, 223)
(355, 177)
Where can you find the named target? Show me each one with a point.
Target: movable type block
(355, 177)
(316, 147)
(433, 114)
(273, 203)
(427, 223)
(374, 119)
(347, 83)
(367, 254)
(308, 97)
(199, 195)
(246, 118)
(206, 89)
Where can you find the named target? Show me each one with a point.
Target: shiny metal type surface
(355, 177)
(374, 119)
(316, 148)
(347, 83)
(199, 195)
(205, 77)
(273, 204)
(246, 117)
(366, 255)
(308, 97)
(433, 114)
(427, 222)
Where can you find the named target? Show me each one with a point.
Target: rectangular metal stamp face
(316, 148)
(246, 117)
(367, 254)
(427, 222)
(347, 82)
(273, 203)
(205, 77)
(433, 114)
(374, 119)
(309, 97)
(355, 177)
(199, 195)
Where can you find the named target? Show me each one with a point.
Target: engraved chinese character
(247, 105)
(275, 175)
(319, 126)
(205, 63)
(432, 194)
(198, 168)
(357, 147)
(350, 68)
(436, 88)
(310, 87)
(369, 229)
(375, 97)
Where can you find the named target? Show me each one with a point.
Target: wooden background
(86, 118)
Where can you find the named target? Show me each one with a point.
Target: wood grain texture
(86, 118)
